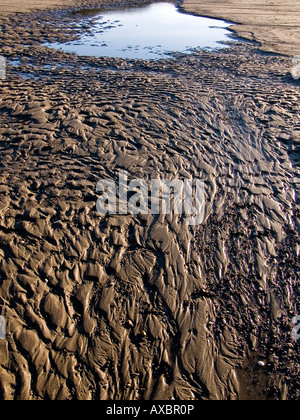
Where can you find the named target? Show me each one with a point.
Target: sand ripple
(130, 307)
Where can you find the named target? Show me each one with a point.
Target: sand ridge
(132, 307)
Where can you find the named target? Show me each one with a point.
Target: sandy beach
(273, 24)
(146, 307)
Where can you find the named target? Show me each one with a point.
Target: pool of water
(146, 32)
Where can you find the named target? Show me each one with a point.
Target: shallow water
(147, 32)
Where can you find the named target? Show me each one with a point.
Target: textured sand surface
(146, 307)
(275, 24)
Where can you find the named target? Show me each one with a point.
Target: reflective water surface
(147, 32)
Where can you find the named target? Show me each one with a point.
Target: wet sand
(273, 24)
(129, 307)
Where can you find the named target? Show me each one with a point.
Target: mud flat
(132, 307)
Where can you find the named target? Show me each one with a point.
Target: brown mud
(146, 307)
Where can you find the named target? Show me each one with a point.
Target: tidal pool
(146, 32)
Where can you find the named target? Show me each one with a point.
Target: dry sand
(145, 307)
(16, 6)
(275, 24)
